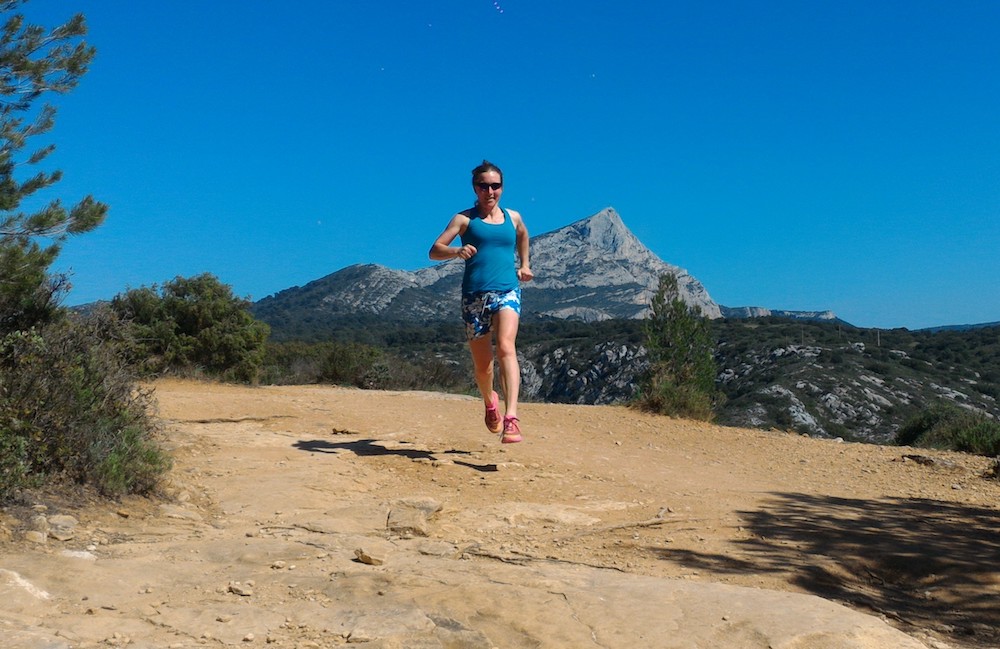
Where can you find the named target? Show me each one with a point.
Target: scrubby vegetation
(197, 327)
(369, 352)
(771, 372)
(363, 366)
(194, 326)
(70, 409)
(859, 384)
(948, 427)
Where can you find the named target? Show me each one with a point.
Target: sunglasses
(485, 186)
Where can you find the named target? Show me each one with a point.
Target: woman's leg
(506, 321)
(482, 362)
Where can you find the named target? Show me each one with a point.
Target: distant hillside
(825, 379)
(963, 327)
(592, 270)
(747, 312)
(839, 381)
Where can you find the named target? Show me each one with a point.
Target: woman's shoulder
(461, 218)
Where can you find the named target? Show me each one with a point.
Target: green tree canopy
(69, 406)
(35, 61)
(682, 369)
(196, 324)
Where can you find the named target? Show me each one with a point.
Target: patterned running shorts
(478, 309)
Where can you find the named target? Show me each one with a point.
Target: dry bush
(70, 407)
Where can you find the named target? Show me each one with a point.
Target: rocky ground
(321, 517)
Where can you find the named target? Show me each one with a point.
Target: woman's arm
(442, 250)
(523, 247)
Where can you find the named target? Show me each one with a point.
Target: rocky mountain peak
(607, 231)
(603, 234)
(600, 253)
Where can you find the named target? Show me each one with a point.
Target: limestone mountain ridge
(593, 269)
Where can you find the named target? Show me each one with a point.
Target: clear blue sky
(802, 155)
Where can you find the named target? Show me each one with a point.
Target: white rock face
(374, 292)
(578, 313)
(599, 251)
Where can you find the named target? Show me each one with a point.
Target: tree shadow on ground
(374, 447)
(924, 563)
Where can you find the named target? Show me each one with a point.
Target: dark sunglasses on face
(485, 186)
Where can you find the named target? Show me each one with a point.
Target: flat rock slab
(420, 600)
(552, 605)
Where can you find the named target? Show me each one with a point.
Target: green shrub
(989, 389)
(69, 407)
(124, 461)
(879, 367)
(952, 428)
(433, 374)
(663, 394)
(682, 369)
(193, 325)
(293, 363)
(981, 437)
(831, 356)
(363, 366)
(14, 470)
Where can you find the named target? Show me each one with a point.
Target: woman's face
(488, 187)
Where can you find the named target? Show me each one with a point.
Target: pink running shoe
(494, 423)
(511, 431)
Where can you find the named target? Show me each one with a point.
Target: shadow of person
(375, 447)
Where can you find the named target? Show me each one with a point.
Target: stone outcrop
(745, 312)
(600, 374)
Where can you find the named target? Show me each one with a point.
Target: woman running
(491, 292)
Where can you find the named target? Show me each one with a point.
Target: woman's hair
(485, 167)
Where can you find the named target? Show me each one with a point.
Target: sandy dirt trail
(605, 528)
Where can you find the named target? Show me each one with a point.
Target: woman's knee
(506, 349)
(482, 356)
(483, 369)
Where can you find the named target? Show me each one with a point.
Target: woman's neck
(487, 213)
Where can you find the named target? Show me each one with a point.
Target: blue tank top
(492, 268)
